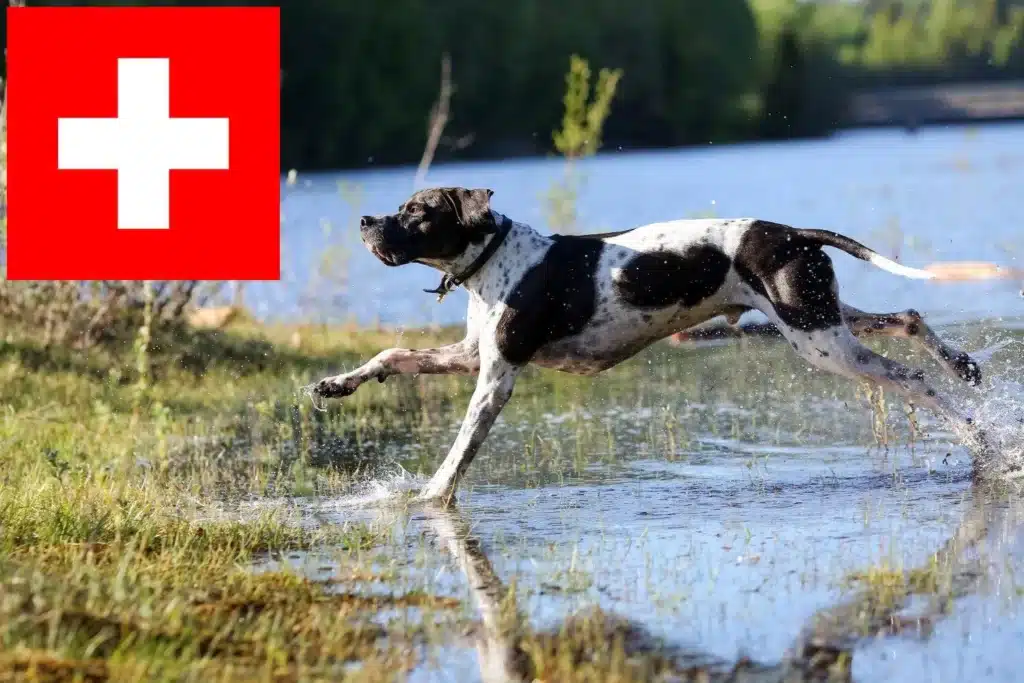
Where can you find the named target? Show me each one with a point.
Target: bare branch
(438, 120)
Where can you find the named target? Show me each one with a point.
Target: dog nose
(364, 221)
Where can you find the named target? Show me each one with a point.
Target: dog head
(433, 226)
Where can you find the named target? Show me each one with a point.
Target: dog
(583, 304)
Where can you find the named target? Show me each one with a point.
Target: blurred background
(890, 120)
(153, 431)
(359, 78)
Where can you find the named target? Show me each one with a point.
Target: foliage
(359, 79)
(582, 122)
(579, 137)
(83, 314)
(942, 32)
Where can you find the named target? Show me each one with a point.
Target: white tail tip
(893, 267)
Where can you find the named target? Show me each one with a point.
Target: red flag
(143, 143)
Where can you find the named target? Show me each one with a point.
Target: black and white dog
(583, 304)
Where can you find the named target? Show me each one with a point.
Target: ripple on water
(726, 525)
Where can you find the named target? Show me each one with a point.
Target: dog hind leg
(909, 325)
(803, 301)
(837, 350)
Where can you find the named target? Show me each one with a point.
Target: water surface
(945, 193)
(724, 497)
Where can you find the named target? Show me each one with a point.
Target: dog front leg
(461, 358)
(493, 390)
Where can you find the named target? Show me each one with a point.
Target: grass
(124, 554)
(183, 607)
(886, 588)
(124, 550)
(128, 545)
(120, 557)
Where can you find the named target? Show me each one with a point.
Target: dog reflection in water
(509, 651)
(988, 536)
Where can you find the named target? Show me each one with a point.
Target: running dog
(583, 304)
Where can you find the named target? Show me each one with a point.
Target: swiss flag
(143, 143)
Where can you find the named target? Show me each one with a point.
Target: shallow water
(721, 498)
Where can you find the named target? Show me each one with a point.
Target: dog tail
(856, 249)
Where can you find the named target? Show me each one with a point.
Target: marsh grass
(123, 552)
(889, 586)
(133, 514)
(110, 580)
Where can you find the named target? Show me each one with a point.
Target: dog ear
(473, 207)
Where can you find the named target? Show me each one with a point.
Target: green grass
(123, 555)
(128, 545)
(119, 555)
(123, 551)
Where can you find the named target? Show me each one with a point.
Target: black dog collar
(451, 282)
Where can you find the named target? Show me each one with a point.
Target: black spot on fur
(659, 279)
(555, 299)
(792, 272)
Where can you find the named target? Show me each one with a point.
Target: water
(722, 497)
(946, 193)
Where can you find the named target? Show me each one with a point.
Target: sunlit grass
(124, 555)
(130, 530)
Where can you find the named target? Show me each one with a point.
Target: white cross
(143, 144)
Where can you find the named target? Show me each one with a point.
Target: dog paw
(440, 494)
(436, 500)
(338, 386)
(968, 370)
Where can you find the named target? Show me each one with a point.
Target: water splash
(998, 413)
(394, 485)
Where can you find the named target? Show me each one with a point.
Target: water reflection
(509, 650)
(889, 603)
(977, 558)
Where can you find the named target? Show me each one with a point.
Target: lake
(724, 499)
(944, 193)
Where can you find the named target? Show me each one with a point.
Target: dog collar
(451, 282)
